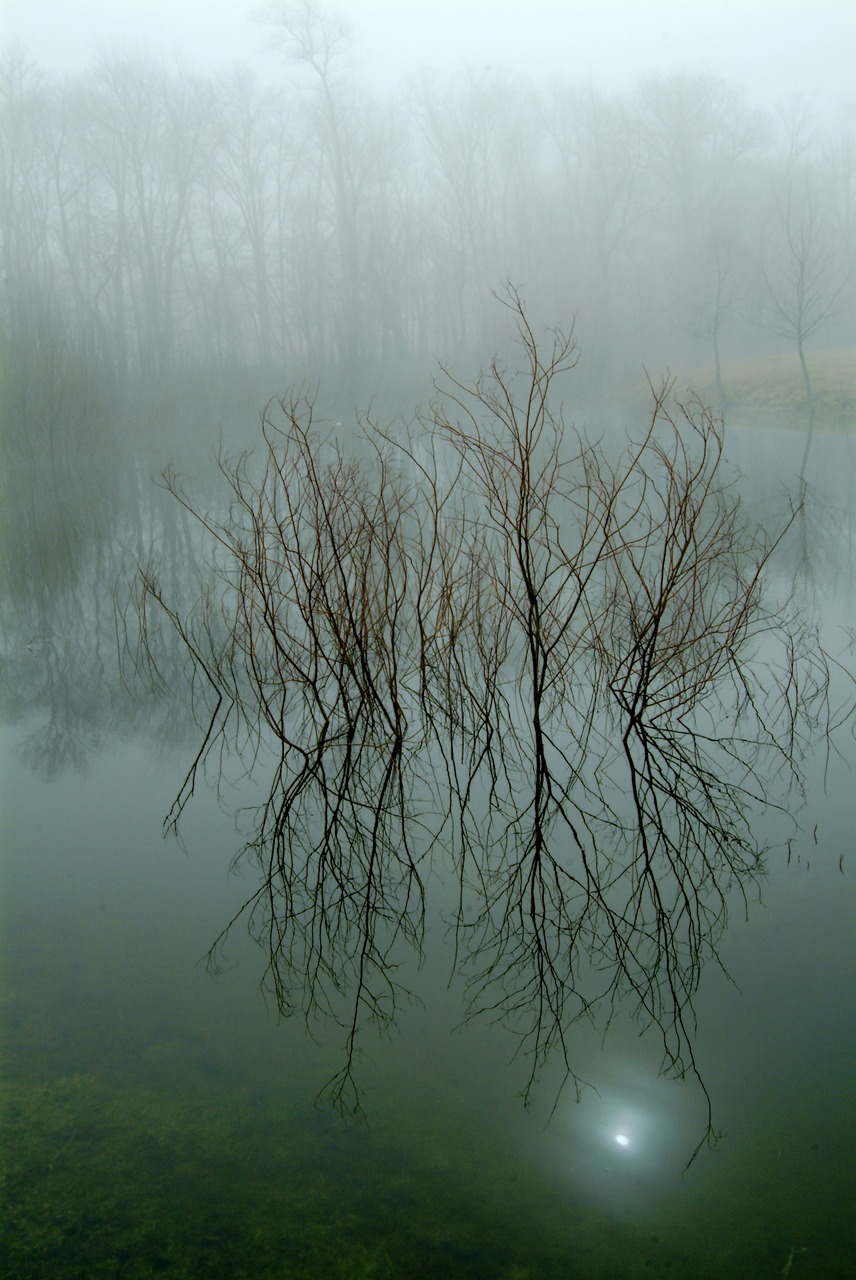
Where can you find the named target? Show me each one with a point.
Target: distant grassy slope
(770, 389)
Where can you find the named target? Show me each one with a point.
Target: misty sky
(777, 48)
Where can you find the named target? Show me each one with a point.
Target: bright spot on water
(622, 1140)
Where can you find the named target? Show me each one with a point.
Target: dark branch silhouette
(490, 647)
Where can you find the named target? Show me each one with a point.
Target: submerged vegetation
(108, 1177)
(494, 648)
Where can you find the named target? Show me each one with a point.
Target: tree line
(161, 220)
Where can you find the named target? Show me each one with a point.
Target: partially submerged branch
(491, 648)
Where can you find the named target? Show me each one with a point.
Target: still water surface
(160, 1121)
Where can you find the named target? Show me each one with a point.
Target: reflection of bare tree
(495, 648)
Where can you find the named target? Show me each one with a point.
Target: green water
(158, 1121)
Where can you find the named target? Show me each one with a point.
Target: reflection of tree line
(70, 547)
(818, 556)
(492, 648)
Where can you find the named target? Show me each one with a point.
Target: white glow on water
(622, 1139)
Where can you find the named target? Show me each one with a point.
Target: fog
(169, 222)
(775, 49)
(427, 494)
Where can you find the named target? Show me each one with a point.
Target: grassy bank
(769, 390)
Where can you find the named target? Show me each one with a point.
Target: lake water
(159, 1120)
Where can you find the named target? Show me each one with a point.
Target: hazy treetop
(777, 48)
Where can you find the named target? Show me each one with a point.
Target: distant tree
(717, 291)
(601, 213)
(481, 146)
(26, 125)
(249, 170)
(806, 270)
(145, 129)
(697, 133)
(702, 147)
(311, 36)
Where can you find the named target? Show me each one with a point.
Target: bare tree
(346, 152)
(602, 211)
(494, 649)
(481, 150)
